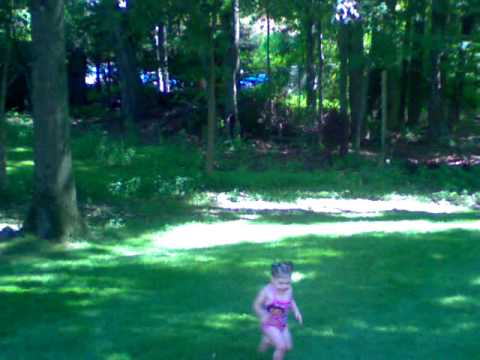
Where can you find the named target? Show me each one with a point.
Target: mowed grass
(157, 280)
(400, 295)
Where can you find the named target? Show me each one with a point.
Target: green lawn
(368, 295)
(169, 273)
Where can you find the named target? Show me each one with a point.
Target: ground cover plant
(171, 267)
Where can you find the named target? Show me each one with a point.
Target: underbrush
(115, 170)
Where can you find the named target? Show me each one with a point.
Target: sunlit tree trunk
(233, 67)
(5, 64)
(269, 68)
(320, 69)
(437, 119)
(161, 47)
(54, 213)
(310, 64)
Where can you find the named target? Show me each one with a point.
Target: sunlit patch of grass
(201, 235)
(458, 300)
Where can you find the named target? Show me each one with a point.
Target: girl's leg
(264, 343)
(276, 338)
(287, 338)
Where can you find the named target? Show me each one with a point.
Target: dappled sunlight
(458, 301)
(228, 320)
(476, 282)
(201, 235)
(299, 276)
(20, 164)
(393, 329)
(350, 207)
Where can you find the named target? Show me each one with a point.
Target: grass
(364, 296)
(170, 271)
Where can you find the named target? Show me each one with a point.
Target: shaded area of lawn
(368, 296)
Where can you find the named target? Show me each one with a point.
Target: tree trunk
(211, 125)
(3, 95)
(320, 65)
(54, 213)
(468, 23)
(406, 48)
(437, 119)
(161, 46)
(310, 65)
(77, 70)
(384, 121)
(342, 42)
(130, 84)
(357, 84)
(233, 67)
(416, 82)
(268, 117)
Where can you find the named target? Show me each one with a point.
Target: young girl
(271, 306)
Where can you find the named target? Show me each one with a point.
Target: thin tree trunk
(269, 71)
(161, 46)
(468, 23)
(357, 85)
(54, 213)
(3, 95)
(310, 65)
(211, 125)
(342, 42)
(437, 120)
(77, 70)
(416, 82)
(405, 65)
(383, 127)
(232, 68)
(320, 64)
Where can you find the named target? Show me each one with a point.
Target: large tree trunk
(54, 213)
(130, 84)
(416, 81)
(437, 117)
(212, 124)
(310, 64)
(5, 64)
(233, 67)
(161, 46)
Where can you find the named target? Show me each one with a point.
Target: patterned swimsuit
(278, 310)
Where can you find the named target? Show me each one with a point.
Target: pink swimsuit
(278, 310)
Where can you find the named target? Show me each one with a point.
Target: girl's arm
(258, 304)
(297, 313)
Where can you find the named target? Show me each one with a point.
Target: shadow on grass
(371, 296)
